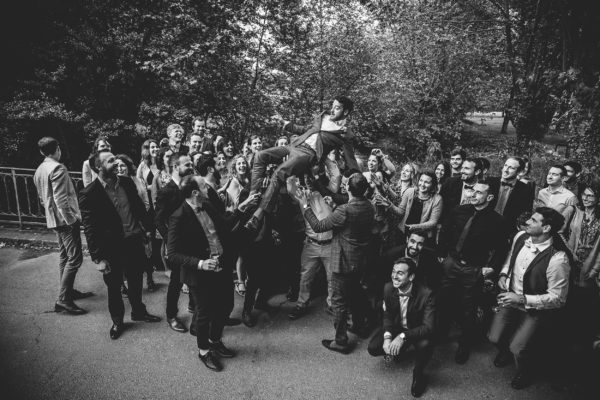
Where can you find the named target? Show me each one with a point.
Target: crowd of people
(403, 256)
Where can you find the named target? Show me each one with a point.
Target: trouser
(517, 330)
(347, 294)
(423, 348)
(70, 258)
(256, 261)
(291, 250)
(129, 260)
(460, 288)
(213, 301)
(174, 290)
(313, 256)
(300, 159)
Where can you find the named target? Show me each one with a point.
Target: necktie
(465, 232)
(507, 184)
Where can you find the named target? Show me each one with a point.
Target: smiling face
(195, 142)
(337, 112)
(221, 161)
(256, 145)
(153, 149)
(439, 171)
(407, 173)
(425, 183)
(122, 169)
(456, 162)
(589, 198)
(414, 245)
(108, 164)
(372, 163)
(480, 195)
(241, 166)
(282, 142)
(228, 149)
(510, 169)
(554, 177)
(400, 276)
(197, 127)
(468, 171)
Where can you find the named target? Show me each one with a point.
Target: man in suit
(457, 190)
(513, 197)
(115, 222)
(169, 198)
(429, 270)
(199, 245)
(327, 132)
(58, 196)
(408, 320)
(199, 141)
(351, 224)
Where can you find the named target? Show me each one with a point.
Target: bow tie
(198, 209)
(507, 184)
(468, 187)
(531, 246)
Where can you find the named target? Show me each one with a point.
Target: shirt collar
(407, 293)
(560, 189)
(536, 248)
(104, 183)
(194, 207)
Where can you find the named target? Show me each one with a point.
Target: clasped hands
(393, 347)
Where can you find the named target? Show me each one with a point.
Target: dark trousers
(423, 348)
(213, 301)
(174, 290)
(129, 260)
(347, 294)
(518, 331)
(291, 250)
(299, 160)
(70, 258)
(257, 272)
(460, 289)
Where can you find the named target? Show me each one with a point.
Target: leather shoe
(248, 320)
(361, 331)
(192, 330)
(334, 346)
(233, 322)
(116, 330)
(77, 295)
(69, 307)
(520, 381)
(297, 312)
(211, 361)
(462, 355)
(176, 325)
(146, 318)
(418, 385)
(503, 359)
(219, 349)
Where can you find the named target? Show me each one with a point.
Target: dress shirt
(118, 197)
(558, 199)
(322, 210)
(403, 299)
(557, 275)
(503, 195)
(209, 229)
(326, 125)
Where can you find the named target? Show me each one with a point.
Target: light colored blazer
(57, 193)
(87, 173)
(432, 210)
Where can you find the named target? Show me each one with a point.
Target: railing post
(14, 176)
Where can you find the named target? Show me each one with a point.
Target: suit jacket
(101, 222)
(519, 201)
(327, 141)
(187, 243)
(430, 216)
(352, 224)
(420, 315)
(57, 193)
(451, 193)
(429, 270)
(168, 199)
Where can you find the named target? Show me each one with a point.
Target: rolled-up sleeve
(557, 274)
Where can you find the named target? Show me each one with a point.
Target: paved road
(55, 356)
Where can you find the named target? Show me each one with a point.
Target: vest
(535, 281)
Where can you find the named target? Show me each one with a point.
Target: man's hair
(575, 165)
(358, 185)
(128, 163)
(254, 137)
(95, 160)
(551, 217)
(47, 145)
(195, 134)
(203, 163)
(422, 234)
(282, 137)
(187, 185)
(412, 266)
(561, 167)
(175, 159)
(196, 119)
(520, 160)
(459, 152)
(485, 163)
(488, 182)
(475, 161)
(346, 103)
(172, 128)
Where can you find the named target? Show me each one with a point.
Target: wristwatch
(305, 206)
(402, 336)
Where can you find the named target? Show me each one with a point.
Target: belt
(321, 242)
(303, 144)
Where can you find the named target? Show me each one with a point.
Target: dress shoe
(219, 349)
(297, 312)
(334, 346)
(418, 385)
(211, 361)
(192, 330)
(233, 322)
(248, 320)
(146, 318)
(503, 358)
(116, 330)
(362, 332)
(462, 355)
(176, 325)
(69, 307)
(521, 381)
(77, 295)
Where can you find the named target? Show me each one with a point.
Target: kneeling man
(408, 319)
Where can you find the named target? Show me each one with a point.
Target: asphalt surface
(45, 355)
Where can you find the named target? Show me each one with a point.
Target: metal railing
(19, 201)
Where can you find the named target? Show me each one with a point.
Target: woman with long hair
(88, 169)
(443, 171)
(164, 172)
(148, 167)
(408, 177)
(524, 175)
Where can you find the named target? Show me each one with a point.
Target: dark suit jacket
(519, 201)
(327, 141)
(351, 224)
(429, 270)
(101, 222)
(168, 199)
(451, 193)
(420, 315)
(187, 244)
